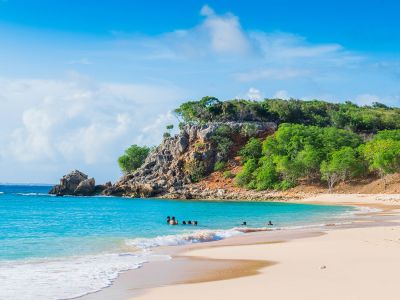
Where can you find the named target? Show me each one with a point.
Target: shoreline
(185, 258)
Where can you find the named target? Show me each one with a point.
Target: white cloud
(254, 94)
(78, 122)
(206, 11)
(281, 94)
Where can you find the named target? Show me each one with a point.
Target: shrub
(133, 158)
(219, 166)
(228, 174)
(252, 150)
(195, 169)
(343, 164)
(245, 176)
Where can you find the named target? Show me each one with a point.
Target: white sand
(360, 263)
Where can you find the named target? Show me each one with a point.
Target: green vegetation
(133, 158)
(299, 152)
(195, 169)
(219, 166)
(228, 174)
(222, 139)
(318, 113)
(316, 141)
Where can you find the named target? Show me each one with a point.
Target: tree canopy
(133, 158)
(319, 113)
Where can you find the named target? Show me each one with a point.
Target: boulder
(78, 184)
(86, 187)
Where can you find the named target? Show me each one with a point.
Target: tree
(245, 176)
(253, 149)
(344, 164)
(133, 158)
(383, 156)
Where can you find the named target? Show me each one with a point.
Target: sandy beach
(354, 261)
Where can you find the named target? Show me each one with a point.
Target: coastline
(246, 259)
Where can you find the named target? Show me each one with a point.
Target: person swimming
(183, 222)
(168, 219)
(189, 222)
(195, 223)
(270, 223)
(244, 223)
(173, 221)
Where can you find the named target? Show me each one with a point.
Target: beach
(353, 261)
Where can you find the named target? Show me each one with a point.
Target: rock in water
(75, 183)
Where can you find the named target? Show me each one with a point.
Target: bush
(383, 155)
(133, 158)
(252, 150)
(245, 176)
(228, 174)
(219, 166)
(266, 175)
(195, 170)
(343, 164)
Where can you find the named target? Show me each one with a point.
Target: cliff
(184, 159)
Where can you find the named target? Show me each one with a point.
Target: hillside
(272, 148)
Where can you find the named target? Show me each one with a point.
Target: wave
(199, 236)
(33, 194)
(67, 278)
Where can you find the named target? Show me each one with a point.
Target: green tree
(133, 158)
(252, 150)
(246, 176)
(344, 164)
(383, 156)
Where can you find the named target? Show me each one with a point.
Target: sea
(65, 247)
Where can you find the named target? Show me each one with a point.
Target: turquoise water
(41, 233)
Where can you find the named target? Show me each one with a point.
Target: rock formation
(78, 184)
(180, 160)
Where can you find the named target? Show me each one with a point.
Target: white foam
(199, 236)
(33, 194)
(365, 210)
(65, 278)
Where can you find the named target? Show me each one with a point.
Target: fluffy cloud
(254, 94)
(79, 122)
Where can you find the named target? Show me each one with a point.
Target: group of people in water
(173, 221)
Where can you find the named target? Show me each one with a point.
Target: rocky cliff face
(186, 157)
(78, 184)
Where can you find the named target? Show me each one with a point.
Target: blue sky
(82, 80)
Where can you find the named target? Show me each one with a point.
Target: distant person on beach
(270, 223)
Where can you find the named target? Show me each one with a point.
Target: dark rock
(78, 184)
(85, 187)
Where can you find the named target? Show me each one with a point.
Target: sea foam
(70, 277)
(199, 236)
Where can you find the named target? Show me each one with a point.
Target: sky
(80, 81)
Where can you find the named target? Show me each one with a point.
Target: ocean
(65, 247)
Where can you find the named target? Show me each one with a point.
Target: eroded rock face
(169, 167)
(79, 184)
